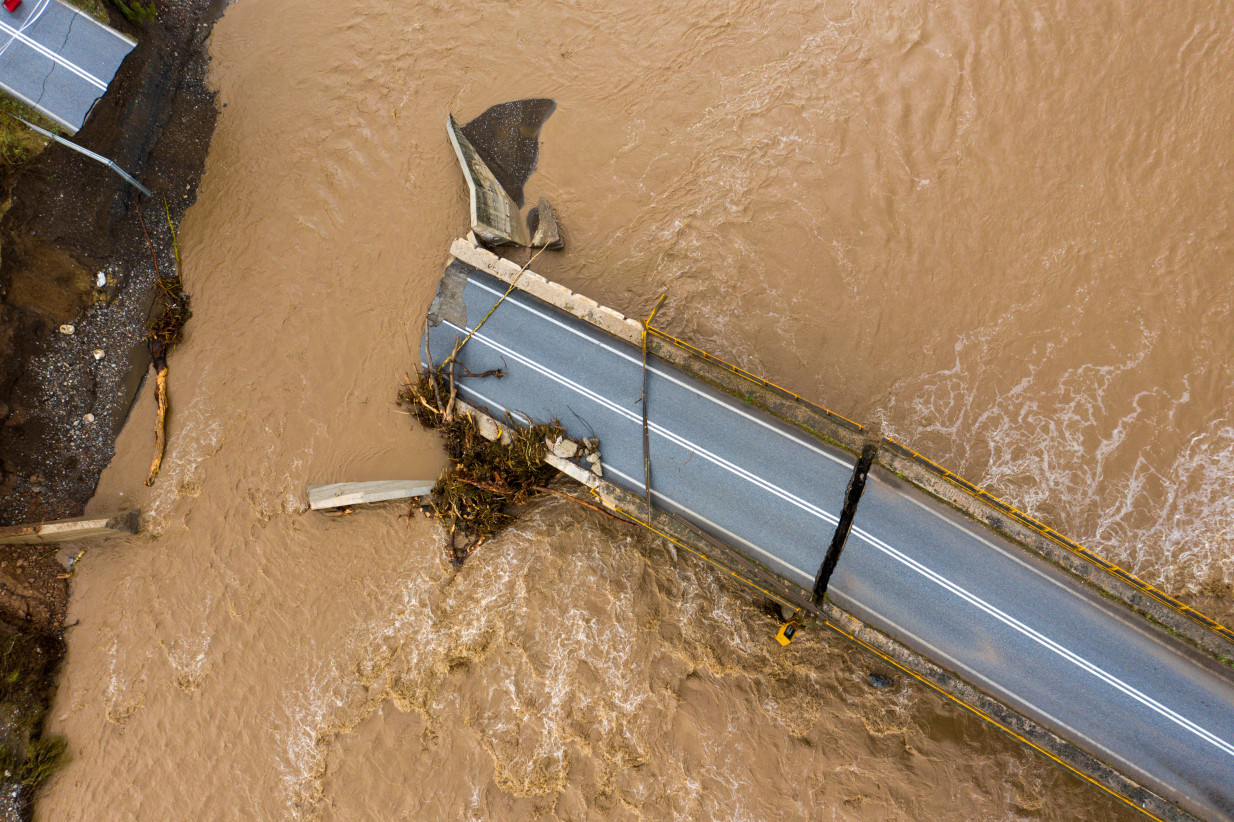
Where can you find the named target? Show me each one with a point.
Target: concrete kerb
(849, 437)
(827, 427)
(1106, 577)
(586, 309)
(911, 467)
(1018, 726)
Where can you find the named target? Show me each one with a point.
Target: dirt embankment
(72, 253)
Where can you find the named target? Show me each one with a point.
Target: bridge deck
(1015, 626)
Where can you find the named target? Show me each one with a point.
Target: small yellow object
(787, 631)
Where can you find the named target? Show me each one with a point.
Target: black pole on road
(852, 496)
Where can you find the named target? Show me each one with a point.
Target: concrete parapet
(814, 420)
(827, 426)
(1025, 730)
(837, 430)
(948, 684)
(558, 296)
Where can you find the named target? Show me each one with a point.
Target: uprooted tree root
(164, 332)
(488, 480)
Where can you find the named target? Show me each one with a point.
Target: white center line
(666, 375)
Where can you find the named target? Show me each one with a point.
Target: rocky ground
(76, 284)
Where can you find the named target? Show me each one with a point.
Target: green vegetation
(28, 664)
(18, 144)
(135, 12)
(94, 8)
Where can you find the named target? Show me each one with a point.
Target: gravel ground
(72, 351)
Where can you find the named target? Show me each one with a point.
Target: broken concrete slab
(340, 494)
(507, 138)
(73, 530)
(544, 227)
(495, 217)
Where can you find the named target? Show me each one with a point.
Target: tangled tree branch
(165, 330)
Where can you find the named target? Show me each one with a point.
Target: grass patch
(94, 8)
(28, 664)
(18, 144)
(135, 12)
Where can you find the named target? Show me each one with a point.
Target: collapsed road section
(755, 478)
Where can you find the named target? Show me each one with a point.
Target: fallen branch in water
(582, 502)
(488, 480)
(163, 333)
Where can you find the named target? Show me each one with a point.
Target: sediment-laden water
(1000, 231)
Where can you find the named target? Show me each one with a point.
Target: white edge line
(119, 34)
(943, 655)
(610, 469)
(677, 439)
(1071, 590)
(1046, 642)
(53, 55)
(665, 375)
(72, 129)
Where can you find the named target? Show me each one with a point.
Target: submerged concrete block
(544, 227)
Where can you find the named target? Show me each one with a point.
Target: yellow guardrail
(756, 379)
(1065, 542)
(636, 521)
(855, 640)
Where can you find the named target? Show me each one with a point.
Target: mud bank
(72, 253)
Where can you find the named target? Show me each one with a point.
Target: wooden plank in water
(339, 494)
(72, 530)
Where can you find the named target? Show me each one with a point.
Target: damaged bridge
(1111, 678)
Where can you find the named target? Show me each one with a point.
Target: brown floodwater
(999, 230)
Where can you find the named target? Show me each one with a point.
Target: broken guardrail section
(97, 526)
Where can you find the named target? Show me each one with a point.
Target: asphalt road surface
(1011, 624)
(58, 59)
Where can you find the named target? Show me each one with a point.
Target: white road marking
(939, 654)
(878, 544)
(630, 358)
(1046, 642)
(52, 55)
(676, 439)
(609, 469)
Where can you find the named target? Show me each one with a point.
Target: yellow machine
(787, 631)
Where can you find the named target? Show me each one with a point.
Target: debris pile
(488, 480)
(164, 332)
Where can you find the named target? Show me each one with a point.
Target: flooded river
(1000, 231)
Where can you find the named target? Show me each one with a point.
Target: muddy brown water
(1001, 231)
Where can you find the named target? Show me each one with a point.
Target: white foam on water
(1077, 449)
